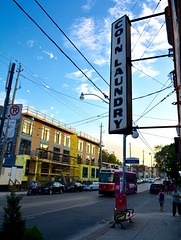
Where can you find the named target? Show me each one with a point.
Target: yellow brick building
(47, 149)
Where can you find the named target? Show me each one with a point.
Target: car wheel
(91, 189)
(61, 191)
(50, 192)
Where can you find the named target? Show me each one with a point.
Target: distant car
(155, 187)
(151, 180)
(52, 187)
(91, 186)
(74, 187)
(138, 181)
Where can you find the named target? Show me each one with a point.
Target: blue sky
(51, 84)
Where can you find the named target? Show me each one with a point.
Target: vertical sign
(120, 106)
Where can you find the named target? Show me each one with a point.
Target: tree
(167, 156)
(13, 226)
(109, 158)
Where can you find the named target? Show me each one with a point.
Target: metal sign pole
(124, 163)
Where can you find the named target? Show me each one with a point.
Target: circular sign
(14, 110)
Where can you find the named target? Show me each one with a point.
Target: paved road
(74, 215)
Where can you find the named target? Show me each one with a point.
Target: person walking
(161, 197)
(176, 201)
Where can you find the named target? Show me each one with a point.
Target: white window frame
(67, 140)
(88, 147)
(93, 149)
(45, 133)
(80, 146)
(27, 127)
(57, 137)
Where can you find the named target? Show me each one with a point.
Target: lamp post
(100, 151)
(151, 165)
(83, 94)
(100, 143)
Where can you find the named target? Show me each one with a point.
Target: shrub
(13, 226)
(33, 234)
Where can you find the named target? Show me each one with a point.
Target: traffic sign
(14, 111)
(132, 160)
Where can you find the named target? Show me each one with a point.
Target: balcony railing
(35, 113)
(87, 136)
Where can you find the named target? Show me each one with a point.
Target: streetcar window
(106, 177)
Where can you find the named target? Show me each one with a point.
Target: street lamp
(83, 94)
(151, 165)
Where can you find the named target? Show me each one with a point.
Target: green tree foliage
(172, 166)
(13, 226)
(109, 158)
(33, 234)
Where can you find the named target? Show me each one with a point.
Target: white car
(151, 180)
(91, 186)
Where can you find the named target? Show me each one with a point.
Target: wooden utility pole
(9, 120)
(6, 102)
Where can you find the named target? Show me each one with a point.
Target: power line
(144, 141)
(148, 75)
(59, 48)
(146, 25)
(152, 39)
(71, 42)
(156, 105)
(158, 135)
(88, 118)
(152, 93)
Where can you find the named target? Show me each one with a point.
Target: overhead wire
(145, 26)
(152, 40)
(150, 94)
(156, 105)
(147, 75)
(145, 142)
(88, 118)
(60, 48)
(71, 42)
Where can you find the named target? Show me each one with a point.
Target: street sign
(120, 103)
(132, 160)
(14, 111)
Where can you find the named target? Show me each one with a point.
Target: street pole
(143, 165)
(6, 102)
(124, 163)
(9, 120)
(100, 150)
(165, 169)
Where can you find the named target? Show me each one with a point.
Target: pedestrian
(176, 201)
(161, 197)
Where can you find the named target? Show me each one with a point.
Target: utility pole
(9, 120)
(143, 165)
(100, 150)
(6, 102)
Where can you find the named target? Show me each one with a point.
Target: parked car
(155, 187)
(91, 186)
(74, 187)
(151, 180)
(52, 187)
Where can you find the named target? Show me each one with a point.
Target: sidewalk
(3, 194)
(147, 226)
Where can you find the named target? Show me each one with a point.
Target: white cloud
(28, 91)
(30, 43)
(65, 85)
(78, 76)
(50, 54)
(89, 4)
